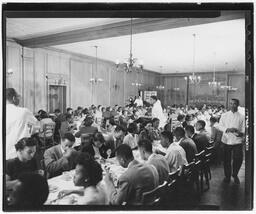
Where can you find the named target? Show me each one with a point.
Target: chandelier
(132, 64)
(214, 83)
(95, 80)
(194, 79)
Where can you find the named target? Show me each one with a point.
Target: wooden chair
(156, 196)
(171, 199)
(174, 175)
(206, 168)
(199, 160)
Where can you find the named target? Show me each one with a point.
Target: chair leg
(206, 179)
(201, 180)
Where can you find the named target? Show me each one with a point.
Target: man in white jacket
(157, 111)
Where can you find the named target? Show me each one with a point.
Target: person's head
(200, 125)
(68, 118)
(57, 112)
(119, 132)
(153, 99)
(132, 128)
(88, 172)
(155, 123)
(88, 121)
(12, 96)
(188, 119)
(79, 109)
(181, 118)
(98, 140)
(124, 155)
(67, 141)
(179, 133)
(189, 130)
(31, 191)
(234, 103)
(26, 148)
(43, 114)
(69, 110)
(145, 149)
(168, 127)
(166, 139)
(213, 120)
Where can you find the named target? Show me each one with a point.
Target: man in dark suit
(157, 160)
(186, 143)
(137, 179)
(200, 140)
(61, 157)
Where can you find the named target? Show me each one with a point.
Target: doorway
(57, 98)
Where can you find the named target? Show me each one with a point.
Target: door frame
(48, 95)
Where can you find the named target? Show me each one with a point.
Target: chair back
(174, 175)
(200, 156)
(155, 196)
(187, 171)
(208, 154)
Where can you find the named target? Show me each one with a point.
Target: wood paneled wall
(35, 69)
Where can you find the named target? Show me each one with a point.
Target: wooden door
(57, 98)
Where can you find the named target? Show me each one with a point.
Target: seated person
(60, 158)
(175, 154)
(131, 138)
(24, 162)
(155, 132)
(186, 143)
(98, 148)
(201, 141)
(157, 160)
(200, 127)
(67, 125)
(88, 174)
(86, 127)
(137, 179)
(30, 191)
(45, 120)
(116, 140)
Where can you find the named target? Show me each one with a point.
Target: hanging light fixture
(214, 83)
(133, 64)
(95, 80)
(194, 79)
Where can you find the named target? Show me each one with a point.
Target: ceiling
(171, 48)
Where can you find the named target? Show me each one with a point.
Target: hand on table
(63, 193)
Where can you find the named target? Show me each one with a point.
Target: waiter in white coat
(157, 111)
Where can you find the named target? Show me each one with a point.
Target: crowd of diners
(114, 132)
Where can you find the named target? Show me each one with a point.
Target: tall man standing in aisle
(157, 111)
(232, 123)
(19, 122)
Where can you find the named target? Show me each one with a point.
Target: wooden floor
(226, 196)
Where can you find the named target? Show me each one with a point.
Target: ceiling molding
(122, 29)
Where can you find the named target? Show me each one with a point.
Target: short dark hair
(26, 141)
(33, 192)
(68, 116)
(120, 128)
(124, 151)
(88, 121)
(202, 123)
(188, 117)
(190, 128)
(43, 114)
(132, 127)
(93, 168)
(180, 117)
(145, 144)
(236, 100)
(213, 119)
(167, 135)
(155, 119)
(10, 93)
(69, 136)
(57, 111)
(153, 97)
(98, 137)
(179, 132)
(68, 109)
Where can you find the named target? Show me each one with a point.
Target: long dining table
(65, 181)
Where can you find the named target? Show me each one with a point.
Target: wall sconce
(9, 72)
(160, 87)
(136, 84)
(176, 89)
(95, 80)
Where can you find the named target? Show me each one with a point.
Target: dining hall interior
(127, 112)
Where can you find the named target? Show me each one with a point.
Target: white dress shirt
(19, 124)
(157, 112)
(232, 120)
(175, 156)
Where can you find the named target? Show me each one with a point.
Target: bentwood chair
(200, 160)
(48, 135)
(156, 196)
(207, 170)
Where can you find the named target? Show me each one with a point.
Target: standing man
(157, 111)
(19, 122)
(232, 124)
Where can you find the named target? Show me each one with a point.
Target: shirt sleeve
(221, 125)
(243, 125)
